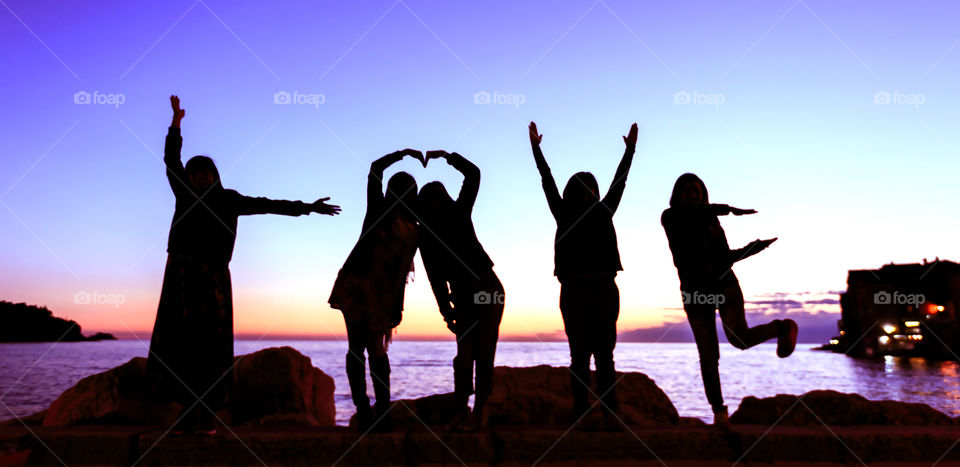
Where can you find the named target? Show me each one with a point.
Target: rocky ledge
(282, 412)
(276, 386)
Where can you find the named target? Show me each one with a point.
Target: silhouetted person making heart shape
(468, 292)
(369, 289)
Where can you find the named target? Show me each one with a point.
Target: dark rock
(273, 386)
(541, 395)
(116, 396)
(282, 384)
(691, 422)
(835, 408)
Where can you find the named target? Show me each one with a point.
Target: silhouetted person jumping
(191, 350)
(468, 292)
(370, 286)
(704, 263)
(586, 264)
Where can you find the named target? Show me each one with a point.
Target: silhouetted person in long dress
(586, 264)
(704, 263)
(191, 350)
(468, 292)
(370, 287)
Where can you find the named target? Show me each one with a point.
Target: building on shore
(901, 309)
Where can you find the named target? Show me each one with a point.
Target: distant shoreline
(23, 323)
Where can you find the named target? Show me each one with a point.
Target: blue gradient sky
(843, 181)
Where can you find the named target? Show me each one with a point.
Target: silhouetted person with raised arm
(586, 264)
(370, 287)
(704, 263)
(468, 292)
(191, 350)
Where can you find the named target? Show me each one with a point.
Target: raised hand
(631, 138)
(535, 137)
(178, 113)
(740, 212)
(435, 154)
(414, 154)
(320, 206)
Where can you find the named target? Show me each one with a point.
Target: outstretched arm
(171, 152)
(546, 177)
(615, 193)
(247, 205)
(724, 209)
(375, 178)
(471, 176)
(750, 249)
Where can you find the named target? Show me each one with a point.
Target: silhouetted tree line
(20, 322)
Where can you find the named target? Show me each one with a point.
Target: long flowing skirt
(191, 350)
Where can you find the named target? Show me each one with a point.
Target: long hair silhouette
(682, 181)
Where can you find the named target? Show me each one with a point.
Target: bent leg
(733, 316)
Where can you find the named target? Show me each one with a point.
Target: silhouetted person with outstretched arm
(586, 264)
(468, 292)
(191, 350)
(370, 287)
(704, 263)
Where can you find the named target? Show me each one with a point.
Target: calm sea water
(33, 375)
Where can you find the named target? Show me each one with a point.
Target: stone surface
(540, 395)
(835, 408)
(116, 396)
(276, 386)
(505, 446)
(281, 386)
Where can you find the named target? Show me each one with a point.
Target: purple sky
(835, 120)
